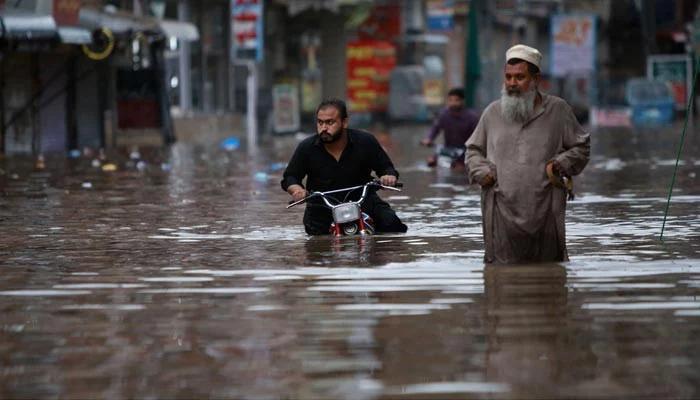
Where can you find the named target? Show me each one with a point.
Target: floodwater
(184, 276)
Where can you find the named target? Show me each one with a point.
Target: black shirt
(362, 155)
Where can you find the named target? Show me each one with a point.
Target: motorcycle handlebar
(397, 187)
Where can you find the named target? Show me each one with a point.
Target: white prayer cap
(526, 53)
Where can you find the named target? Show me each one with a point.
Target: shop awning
(295, 7)
(178, 29)
(119, 22)
(74, 35)
(430, 38)
(20, 25)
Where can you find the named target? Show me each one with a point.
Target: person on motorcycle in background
(338, 157)
(456, 121)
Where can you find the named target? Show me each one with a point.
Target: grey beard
(518, 108)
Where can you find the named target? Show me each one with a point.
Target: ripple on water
(448, 388)
(177, 279)
(112, 307)
(217, 290)
(44, 293)
(628, 306)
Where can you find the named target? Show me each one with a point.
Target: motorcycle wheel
(350, 229)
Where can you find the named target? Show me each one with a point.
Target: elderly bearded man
(517, 139)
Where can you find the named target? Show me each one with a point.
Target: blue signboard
(440, 15)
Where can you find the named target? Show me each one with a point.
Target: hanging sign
(285, 108)
(369, 66)
(247, 29)
(440, 15)
(677, 70)
(573, 39)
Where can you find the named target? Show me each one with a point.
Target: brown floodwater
(184, 276)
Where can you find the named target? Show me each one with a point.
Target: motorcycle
(446, 156)
(348, 217)
(449, 157)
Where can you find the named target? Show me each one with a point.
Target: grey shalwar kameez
(523, 213)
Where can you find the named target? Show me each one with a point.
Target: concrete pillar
(332, 57)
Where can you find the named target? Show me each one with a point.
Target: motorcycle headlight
(346, 213)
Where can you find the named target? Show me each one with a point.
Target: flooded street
(186, 277)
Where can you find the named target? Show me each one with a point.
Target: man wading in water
(339, 157)
(519, 139)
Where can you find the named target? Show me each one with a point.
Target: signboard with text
(246, 26)
(440, 15)
(676, 69)
(573, 38)
(285, 108)
(369, 66)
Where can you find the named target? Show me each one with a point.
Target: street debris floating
(230, 143)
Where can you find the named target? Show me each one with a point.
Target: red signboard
(66, 12)
(369, 66)
(246, 25)
(384, 23)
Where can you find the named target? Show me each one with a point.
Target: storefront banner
(285, 106)
(247, 29)
(369, 66)
(676, 69)
(573, 38)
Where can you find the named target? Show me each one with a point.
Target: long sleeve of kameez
(296, 169)
(576, 143)
(435, 129)
(381, 163)
(478, 166)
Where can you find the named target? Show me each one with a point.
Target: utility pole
(184, 62)
(472, 65)
(2, 102)
(252, 115)
(647, 13)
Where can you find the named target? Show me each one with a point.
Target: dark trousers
(318, 218)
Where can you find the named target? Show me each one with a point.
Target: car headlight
(346, 213)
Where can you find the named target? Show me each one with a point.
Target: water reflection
(358, 251)
(196, 282)
(532, 341)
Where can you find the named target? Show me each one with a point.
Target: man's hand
(297, 192)
(556, 167)
(388, 180)
(426, 142)
(487, 181)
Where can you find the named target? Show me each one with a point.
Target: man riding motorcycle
(339, 157)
